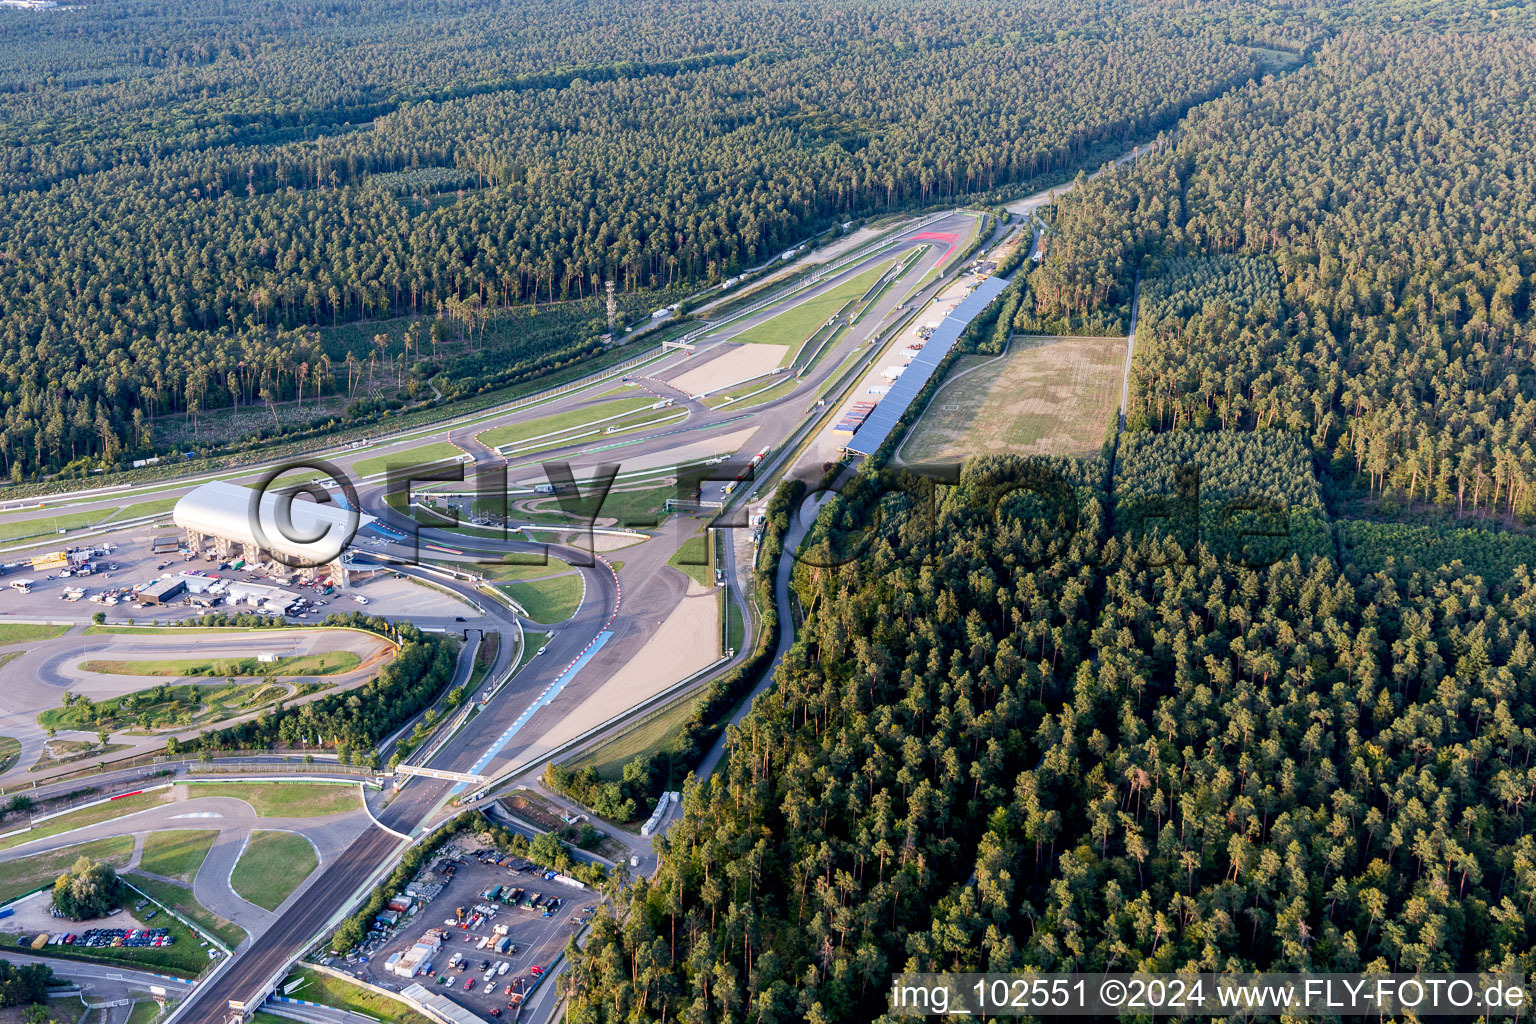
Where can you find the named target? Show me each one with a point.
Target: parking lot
(473, 916)
(131, 562)
(128, 561)
(69, 593)
(119, 937)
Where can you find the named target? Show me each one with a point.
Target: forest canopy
(1147, 752)
(197, 198)
(1347, 254)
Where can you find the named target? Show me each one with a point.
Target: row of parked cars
(121, 937)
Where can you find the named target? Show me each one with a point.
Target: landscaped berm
(1044, 396)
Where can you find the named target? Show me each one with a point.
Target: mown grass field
(181, 899)
(177, 853)
(601, 432)
(147, 508)
(531, 643)
(285, 799)
(795, 326)
(27, 632)
(692, 557)
(325, 663)
(88, 816)
(485, 657)
(329, 991)
(20, 529)
(641, 509)
(273, 865)
(438, 451)
(656, 733)
(21, 876)
(744, 398)
(146, 1010)
(94, 630)
(565, 422)
(735, 627)
(1046, 396)
(547, 601)
(843, 368)
(512, 573)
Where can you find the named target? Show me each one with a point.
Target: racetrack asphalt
(646, 585)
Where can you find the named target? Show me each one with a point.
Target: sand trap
(683, 643)
(736, 364)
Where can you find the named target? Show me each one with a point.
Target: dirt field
(685, 641)
(1046, 396)
(736, 363)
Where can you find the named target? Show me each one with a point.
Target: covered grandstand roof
(314, 534)
(883, 420)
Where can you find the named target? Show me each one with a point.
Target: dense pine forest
(1266, 698)
(1142, 744)
(1346, 254)
(985, 755)
(197, 198)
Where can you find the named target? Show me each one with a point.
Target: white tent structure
(294, 530)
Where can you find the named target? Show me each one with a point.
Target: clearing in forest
(1044, 396)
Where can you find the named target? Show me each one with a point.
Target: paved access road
(245, 976)
(605, 631)
(102, 983)
(41, 673)
(102, 979)
(234, 820)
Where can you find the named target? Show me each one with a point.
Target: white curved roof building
(313, 533)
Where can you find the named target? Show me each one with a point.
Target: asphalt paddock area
(536, 939)
(136, 562)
